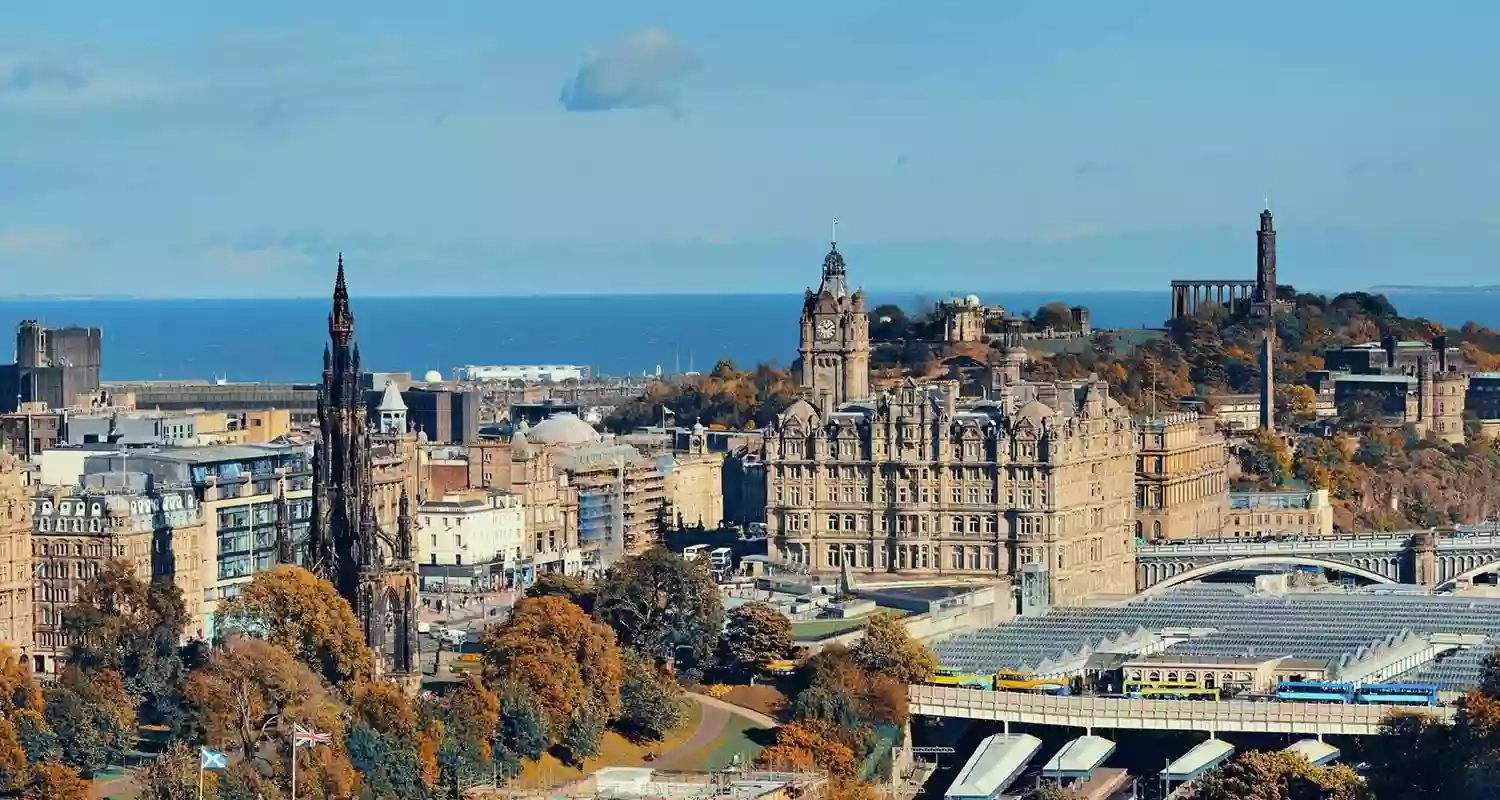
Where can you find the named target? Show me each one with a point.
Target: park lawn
(614, 751)
(740, 737)
(762, 697)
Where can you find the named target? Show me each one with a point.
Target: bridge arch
(1260, 561)
(1471, 570)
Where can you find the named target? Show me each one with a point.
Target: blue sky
(186, 149)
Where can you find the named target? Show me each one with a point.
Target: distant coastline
(1394, 288)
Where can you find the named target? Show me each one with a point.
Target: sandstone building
(78, 530)
(15, 556)
(1037, 481)
(1181, 489)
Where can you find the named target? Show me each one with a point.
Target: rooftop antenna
(835, 240)
(1268, 203)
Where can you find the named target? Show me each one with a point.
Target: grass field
(740, 738)
(762, 697)
(614, 751)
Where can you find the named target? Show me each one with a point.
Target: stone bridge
(1115, 713)
(1438, 559)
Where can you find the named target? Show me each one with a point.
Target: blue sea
(282, 340)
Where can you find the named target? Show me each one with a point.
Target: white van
(455, 637)
(424, 627)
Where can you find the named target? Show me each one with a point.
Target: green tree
(755, 634)
(389, 765)
(888, 649)
(523, 726)
(658, 601)
(93, 719)
(580, 591)
(35, 736)
(583, 735)
(651, 703)
(134, 628)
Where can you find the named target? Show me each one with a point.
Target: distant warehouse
(531, 373)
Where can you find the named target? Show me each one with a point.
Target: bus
(1169, 690)
(1397, 694)
(694, 552)
(1010, 681)
(953, 676)
(1314, 692)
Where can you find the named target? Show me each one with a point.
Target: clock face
(826, 329)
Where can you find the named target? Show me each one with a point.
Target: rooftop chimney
(1388, 343)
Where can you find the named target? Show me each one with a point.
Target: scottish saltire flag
(211, 759)
(302, 737)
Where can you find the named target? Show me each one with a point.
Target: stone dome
(565, 430)
(433, 376)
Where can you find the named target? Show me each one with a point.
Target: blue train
(1390, 694)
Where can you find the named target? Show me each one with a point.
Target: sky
(180, 149)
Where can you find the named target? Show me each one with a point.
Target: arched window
(1156, 529)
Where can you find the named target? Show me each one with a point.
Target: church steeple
(341, 319)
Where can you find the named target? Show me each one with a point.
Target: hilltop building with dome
(1033, 483)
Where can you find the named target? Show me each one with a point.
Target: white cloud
(634, 73)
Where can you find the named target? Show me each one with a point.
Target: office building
(53, 366)
(1181, 485)
(470, 539)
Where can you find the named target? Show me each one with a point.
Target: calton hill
(1379, 475)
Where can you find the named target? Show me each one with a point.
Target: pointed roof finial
(835, 240)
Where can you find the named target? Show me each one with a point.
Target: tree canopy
(558, 655)
(887, 649)
(304, 615)
(755, 634)
(658, 601)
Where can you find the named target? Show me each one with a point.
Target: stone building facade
(911, 483)
(528, 469)
(77, 531)
(1181, 486)
(1253, 515)
(963, 320)
(16, 624)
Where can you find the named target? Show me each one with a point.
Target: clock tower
(835, 337)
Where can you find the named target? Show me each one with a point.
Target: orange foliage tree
(305, 616)
(560, 656)
(806, 747)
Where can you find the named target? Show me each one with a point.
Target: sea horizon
(281, 340)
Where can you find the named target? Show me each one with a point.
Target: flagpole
(294, 769)
(200, 776)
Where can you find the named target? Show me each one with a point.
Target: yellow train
(1001, 681)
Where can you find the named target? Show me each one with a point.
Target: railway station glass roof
(1079, 758)
(1316, 752)
(995, 764)
(1202, 758)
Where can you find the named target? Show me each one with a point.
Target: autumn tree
(248, 686)
(1278, 775)
(13, 763)
(52, 781)
(807, 746)
(888, 649)
(651, 703)
(305, 616)
(560, 656)
(849, 701)
(658, 601)
(1266, 454)
(582, 737)
(755, 634)
(35, 736)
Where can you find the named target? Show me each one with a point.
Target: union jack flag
(302, 737)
